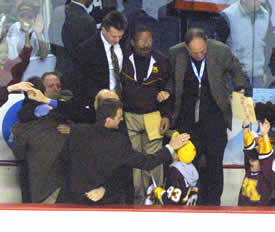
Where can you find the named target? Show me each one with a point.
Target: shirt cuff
(53, 103)
(41, 110)
(171, 150)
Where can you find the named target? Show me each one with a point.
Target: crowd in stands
(126, 117)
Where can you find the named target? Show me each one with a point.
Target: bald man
(104, 94)
(202, 105)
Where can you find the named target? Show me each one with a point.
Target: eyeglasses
(142, 42)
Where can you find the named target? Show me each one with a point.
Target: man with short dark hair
(101, 151)
(202, 105)
(100, 58)
(52, 83)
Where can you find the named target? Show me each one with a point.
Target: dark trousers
(211, 175)
(210, 139)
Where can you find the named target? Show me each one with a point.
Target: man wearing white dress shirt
(95, 59)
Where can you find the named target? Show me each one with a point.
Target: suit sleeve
(233, 66)
(76, 30)
(146, 162)
(167, 105)
(4, 95)
(19, 69)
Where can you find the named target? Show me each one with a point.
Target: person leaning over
(101, 150)
(200, 68)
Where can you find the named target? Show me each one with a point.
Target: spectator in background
(202, 107)
(11, 71)
(249, 35)
(94, 59)
(30, 20)
(147, 111)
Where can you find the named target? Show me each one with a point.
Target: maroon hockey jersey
(181, 187)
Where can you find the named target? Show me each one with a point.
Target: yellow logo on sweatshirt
(155, 69)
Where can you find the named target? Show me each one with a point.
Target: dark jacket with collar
(78, 27)
(92, 61)
(142, 98)
(38, 143)
(93, 154)
(220, 62)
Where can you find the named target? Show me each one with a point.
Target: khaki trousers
(140, 142)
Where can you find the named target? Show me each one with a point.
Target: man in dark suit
(101, 151)
(94, 58)
(38, 144)
(78, 27)
(202, 105)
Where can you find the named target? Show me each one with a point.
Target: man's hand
(37, 95)
(64, 129)
(164, 125)
(96, 194)
(162, 96)
(178, 141)
(21, 86)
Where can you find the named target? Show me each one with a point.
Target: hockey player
(257, 184)
(181, 181)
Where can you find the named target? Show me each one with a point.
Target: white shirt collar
(105, 42)
(82, 5)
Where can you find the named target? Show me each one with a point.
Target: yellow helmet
(186, 153)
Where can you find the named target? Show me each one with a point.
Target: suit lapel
(180, 69)
(101, 50)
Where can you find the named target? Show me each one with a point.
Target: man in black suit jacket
(94, 153)
(93, 57)
(78, 27)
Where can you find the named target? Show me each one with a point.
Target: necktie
(116, 70)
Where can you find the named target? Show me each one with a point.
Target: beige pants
(140, 142)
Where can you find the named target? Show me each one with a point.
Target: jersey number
(174, 194)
